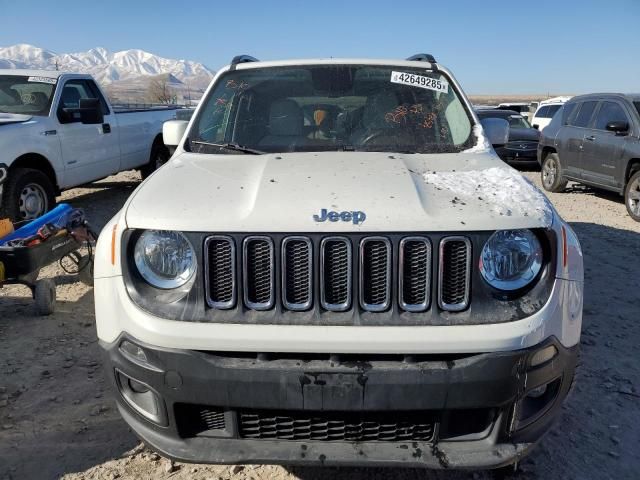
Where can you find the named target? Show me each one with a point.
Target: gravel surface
(58, 419)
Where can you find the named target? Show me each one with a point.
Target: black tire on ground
(28, 194)
(551, 174)
(159, 156)
(45, 296)
(632, 196)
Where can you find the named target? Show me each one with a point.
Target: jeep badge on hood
(356, 217)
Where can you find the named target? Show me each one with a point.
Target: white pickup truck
(58, 131)
(352, 277)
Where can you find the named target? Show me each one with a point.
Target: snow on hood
(6, 118)
(503, 189)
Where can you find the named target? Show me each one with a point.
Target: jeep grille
(300, 271)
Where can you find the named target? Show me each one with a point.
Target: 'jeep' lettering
(356, 217)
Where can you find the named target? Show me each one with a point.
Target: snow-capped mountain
(106, 67)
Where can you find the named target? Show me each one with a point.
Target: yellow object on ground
(6, 227)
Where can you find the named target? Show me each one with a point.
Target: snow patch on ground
(503, 189)
(482, 144)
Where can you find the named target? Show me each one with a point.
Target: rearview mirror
(90, 111)
(620, 128)
(496, 130)
(173, 131)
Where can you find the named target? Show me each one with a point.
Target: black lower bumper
(464, 411)
(515, 155)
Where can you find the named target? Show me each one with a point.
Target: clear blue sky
(535, 46)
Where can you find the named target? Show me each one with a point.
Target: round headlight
(165, 259)
(511, 259)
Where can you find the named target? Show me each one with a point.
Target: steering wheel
(373, 135)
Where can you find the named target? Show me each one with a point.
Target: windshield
(26, 95)
(518, 121)
(334, 107)
(637, 104)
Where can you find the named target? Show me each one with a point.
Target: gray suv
(595, 140)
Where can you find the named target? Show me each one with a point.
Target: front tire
(159, 156)
(632, 196)
(551, 174)
(28, 194)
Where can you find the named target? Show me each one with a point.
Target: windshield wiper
(230, 146)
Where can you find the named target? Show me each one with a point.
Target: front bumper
(517, 155)
(473, 404)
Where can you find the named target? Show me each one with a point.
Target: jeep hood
(7, 118)
(283, 192)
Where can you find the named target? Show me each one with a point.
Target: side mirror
(173, 131)
(536, 126)
(619, 128)
(90, 111)
(496, 130)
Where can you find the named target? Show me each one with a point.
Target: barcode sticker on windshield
(419, 81)
(50, 80)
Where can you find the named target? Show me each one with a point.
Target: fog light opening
(137, 387)
(536, 402)
(141, 398)
(543, 356)
(537, 392)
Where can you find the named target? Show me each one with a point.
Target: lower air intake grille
(336, 274)
(258, 272)
(342, 426)
(220, 272)
(375, 274)
(297, 269)
(455, 271)
(196, 419)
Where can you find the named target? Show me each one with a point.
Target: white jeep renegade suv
(335, 268)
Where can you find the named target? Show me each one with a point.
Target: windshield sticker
(419, 81)
(49, 80)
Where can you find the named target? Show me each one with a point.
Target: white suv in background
(546, 110)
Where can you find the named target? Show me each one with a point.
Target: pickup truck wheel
(551, 175)
(632, 196)
(159, 156)
(28, 194)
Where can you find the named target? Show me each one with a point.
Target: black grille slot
(258, 272)
(220, 272)
(415, 272)
(375, 274)
(297, 270)
(339, 426)
(455, 270)
(196, 419)
(336, 274)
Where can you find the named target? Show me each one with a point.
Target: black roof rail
(422, 57)
(242, 59)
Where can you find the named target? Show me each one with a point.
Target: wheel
(45, 296)
(159, 156)
(85, 271)
(632, 196)
(28, 194)
(551, 174)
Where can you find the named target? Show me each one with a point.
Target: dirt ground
(58, 419)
